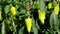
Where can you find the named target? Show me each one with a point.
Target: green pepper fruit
(56, 9)
(50, 5)
(13, 10)
(41, 16)
(28, 22)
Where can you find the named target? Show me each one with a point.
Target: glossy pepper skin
(0, 15)
(56, 9)
(50, 5)
(13, 10)
(41, 16)
(28, 22)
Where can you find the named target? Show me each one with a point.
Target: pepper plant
(29, 16)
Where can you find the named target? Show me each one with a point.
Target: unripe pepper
(50, 5)
(28, 22)
(41, 16)
(0, 15)
(13, 10)
(56, 9)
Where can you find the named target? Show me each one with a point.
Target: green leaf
(54, 24)
(9, 1)
(37, 25)
(14, 26)
(47, 0)
(0, 1)
(17, 6)
(3, 28)
(42, 5)
(21, 30)
(0, 7)
(23, 11)
(7, 9)
(3, 0)
(37, 4)
(46, 32)
(31, 3)
(35, 30)
(58, 32)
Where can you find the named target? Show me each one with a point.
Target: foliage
(29, 17)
